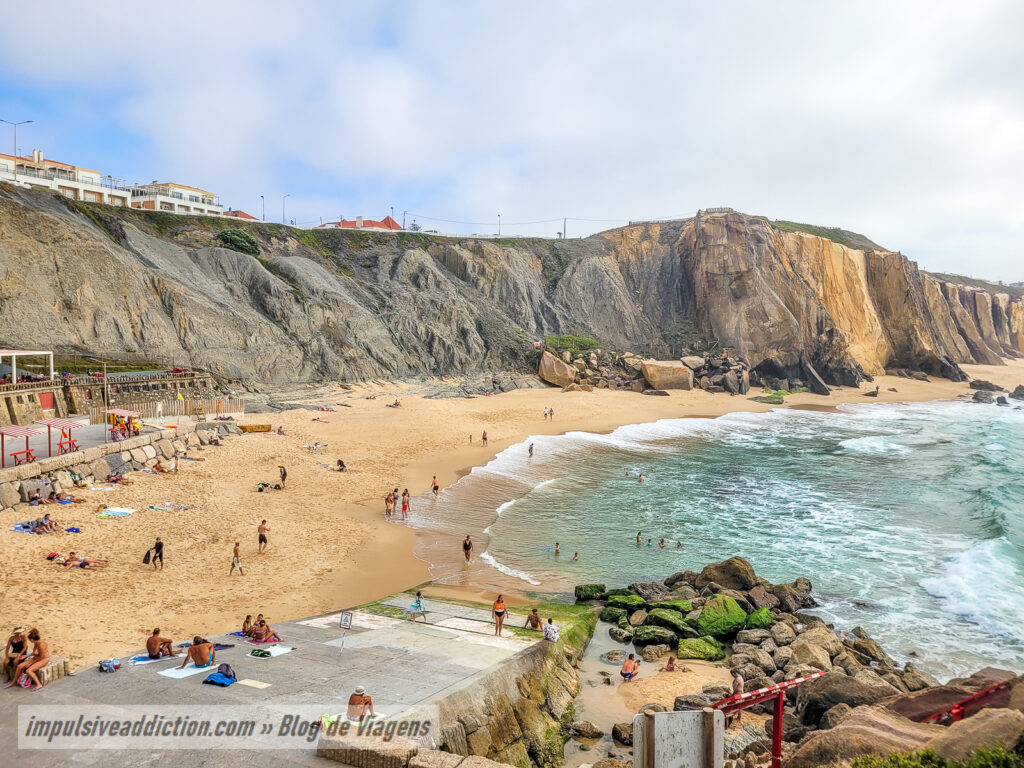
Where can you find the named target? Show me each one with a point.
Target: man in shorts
(159, 647)
(630, 668)
(236, 561)
(262, 531)
(435, 485)
(533, 620)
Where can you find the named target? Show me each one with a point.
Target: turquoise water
(908, 519)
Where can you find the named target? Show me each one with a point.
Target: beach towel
(273, 650)
(117, 512)
(170, 505)
(143, 658)
(27, 526)
(238, 634)
(222, 646)
(72, 530)
(217, 678)
(188, 671)
(63, 501)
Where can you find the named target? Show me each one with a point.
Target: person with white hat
(360, 705)
(14, 652)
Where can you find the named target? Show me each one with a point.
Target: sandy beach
(329, 544)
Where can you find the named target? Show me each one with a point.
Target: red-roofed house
(387, 224)
(240, 215)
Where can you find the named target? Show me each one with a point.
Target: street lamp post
(499, 225)
(263, 202)
(283, 220)
(23, 122)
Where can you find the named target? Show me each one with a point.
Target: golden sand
(329, 545)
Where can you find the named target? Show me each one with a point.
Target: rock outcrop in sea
(865, 703)
(317, 305)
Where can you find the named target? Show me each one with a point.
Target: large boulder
(667, 374)
(637, 618)
(760, 619)
(611, 614)
(1018, 393)
(868, 647)
(817, 697)
(821, 636)
(721, 615)
(682, 606)
(986, 386)
(651, 591)
(734, 573)
(590, 592)
(651, 653)
(920, 704)
(864, 731)
(586, 730)
(782, 633)
(623, 733)
(620, 634)
(760, 597)
(917, 679)
(983, 396)
(793, 597)
(989, 728)
(704, 648)
(554, 371)
(663, 617)
(649, 635)
(629, 602)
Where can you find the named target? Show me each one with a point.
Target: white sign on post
(346, 620)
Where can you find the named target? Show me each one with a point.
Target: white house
(70, 180)
(175, 198)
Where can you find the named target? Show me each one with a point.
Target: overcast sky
(903, 121)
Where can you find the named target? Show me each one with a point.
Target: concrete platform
(401, 664)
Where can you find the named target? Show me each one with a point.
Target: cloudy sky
(904, 121)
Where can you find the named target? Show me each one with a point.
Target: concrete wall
(74, 470)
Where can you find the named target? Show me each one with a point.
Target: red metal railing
(955, 712)
(777, 692)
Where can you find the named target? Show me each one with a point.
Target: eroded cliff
(321, 304)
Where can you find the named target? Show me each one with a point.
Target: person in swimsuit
(236, 561)
(33, 662)
(201, 653)
(341, 466)
(14, 653)
(74, 561)
(661, 543)
(670, 665)
(252, 625)
(533, 620)
(556, 549)
(159, 647)
(435, 484)
(575, 556)
(262, 633)
(640, 478)
(417, 607)
(638, 537)
(498, 612)
(389, 503)
(483, 438)
(283, 472)
(247, 625)
(531, 450)
(359, 705)
(262, 532)
(405, 504)
(467, 547)
(629, 668)
(158, 553)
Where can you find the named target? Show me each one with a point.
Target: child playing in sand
(670, 665)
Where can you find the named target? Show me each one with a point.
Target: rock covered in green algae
(590, 592)
(760, 619)
(720, 616)
(663, 617)
(706, 648)
(651, 635)
(611, 614)
(681, 606)
(629, 601)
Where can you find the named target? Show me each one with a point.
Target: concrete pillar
(14, 369)
(51, 366)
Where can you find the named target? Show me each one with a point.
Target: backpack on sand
(110, 665)
(226, 670)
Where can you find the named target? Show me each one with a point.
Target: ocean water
(907, 518)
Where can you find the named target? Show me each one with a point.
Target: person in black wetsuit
(158, 553)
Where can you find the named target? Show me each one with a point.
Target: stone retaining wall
(92, 465)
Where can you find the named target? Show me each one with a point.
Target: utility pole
(564, 233)
(499, 225)
(283, 219)
(23, 122)
(263, 202)
(392, 213)
(403, 219)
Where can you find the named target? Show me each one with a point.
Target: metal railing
(30, 386)
(192, 407)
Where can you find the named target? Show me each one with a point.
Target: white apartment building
(69, 180)
(175, 198)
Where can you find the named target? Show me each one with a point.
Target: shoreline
(330, 545)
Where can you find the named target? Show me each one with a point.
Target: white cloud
(903, 121)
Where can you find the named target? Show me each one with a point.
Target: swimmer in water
(556, 548)
(638, 537)
(661, 543)
(640, 479)
(575, 556)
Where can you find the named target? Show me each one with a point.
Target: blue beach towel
(72, 530)
(216, 678)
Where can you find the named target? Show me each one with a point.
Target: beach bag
(110, 665)
(24, 681)
(145, 558)
(216, 678)
(226, 670)
(53, 556)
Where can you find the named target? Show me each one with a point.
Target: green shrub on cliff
(997, 757)
(720, 616)
(574, 344)
(240, 241)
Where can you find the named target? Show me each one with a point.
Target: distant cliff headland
(314, 305)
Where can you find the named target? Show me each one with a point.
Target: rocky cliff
(316, 305)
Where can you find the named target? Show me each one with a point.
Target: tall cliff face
(341, 305)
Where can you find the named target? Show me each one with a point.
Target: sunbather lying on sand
(158, 467)
(75, 561)
(118, 479)
(65, 496)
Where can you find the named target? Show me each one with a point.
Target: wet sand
(329, 544)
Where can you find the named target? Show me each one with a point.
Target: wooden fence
(197, 408)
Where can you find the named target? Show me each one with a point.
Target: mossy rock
(590, 592)
(663, 617)
(628, 601)
(650, 635)
(762, 618)
(706, 648)
(623, 621)
(720, 616)
(611, 614)
(681, 606)
(773, 399)
(619, 591)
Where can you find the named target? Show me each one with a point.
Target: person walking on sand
(262, 532)
(417, 607)
(32, 663)
(467, 547)
(284, 474)
(158, 553)
(551, 414)
(405, 504)
(498, 612)
(435, 485)
(236, 561)
(483, 438)
(531, 450)
(470, 438)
